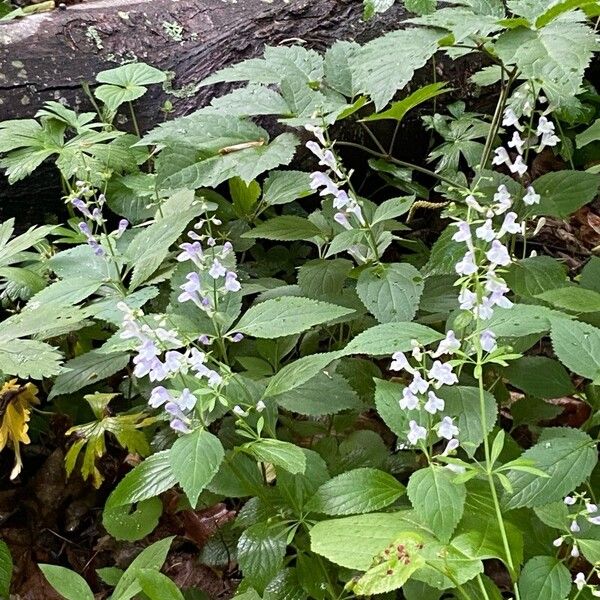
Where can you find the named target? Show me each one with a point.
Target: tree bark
(48, 56)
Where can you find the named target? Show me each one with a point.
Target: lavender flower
(416, 433)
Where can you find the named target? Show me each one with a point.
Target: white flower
(531, 197)
(580, 581)
(318, 179)
(502, 199)
(488, 340)
(575, 551)
(341, 200)
(472, 203)
(326, 157)
(511, 119)
(409, 400)
(545, 128)
(591, 508)
(464, 232)
(558, 542)
(442, 374)
(484, 310)
(569, 500)
(239, 411)
(187, 400)
(260, 406)
(467, 265)
(498, 254)
(448, 345)
(450, 447)
(416, 352)
(433, 404)
(594, 520)
(418, 385)
(575, 526)
(518, 166)
(217, 269)
(447, 429)
(517, 143)
(399, 362)
(486, 231)
(509, 225)
(467, 299)
(416, 433)
(501, 157)
(342, 219)
(317, 132)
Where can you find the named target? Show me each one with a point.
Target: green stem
(134, 120)
(403, 163)
(482, 588)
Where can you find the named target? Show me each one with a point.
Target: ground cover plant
(367, 410)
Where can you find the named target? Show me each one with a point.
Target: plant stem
(134, 120)
(482, 588)
(402, 163)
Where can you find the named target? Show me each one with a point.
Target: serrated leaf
(279, 453)
(337, 66)
(252, 101)
(556, 56)
(392, 208)
(373, 7)
(286, 316)
(573, 299)
(260, 553)
(67, 583)
(376, 69)
(195, 459)
(357, 491)
(284, 228)
(152, 557)
(322, 277)
(151, 477)
(535, 275)
(577, 346)
(591, 134)
(391, 293)
(6, 569)
(568, 459)
(321, 395)
(389, 338)
(539, 376)
(150, 247)
(563, 192)
(421, 7)
(445, 253)
(128, 523)
(29, 359)
(283, 187)
(247, 163)
(87, 369)
(438, 501)
(298, 372)
(544, 578)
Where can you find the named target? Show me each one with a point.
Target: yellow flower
(15, 407)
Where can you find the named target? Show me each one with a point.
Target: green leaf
(558, 8)
(590, 274)
(126, 83)
(67, 292)
(247, 163)
(29, 359)
(353, 542)
(284, 228)
(125, 522)
(260, 553)
(321, 395)
(298, 372)
(591, 134)
(392, 295)
(251, 101)
(87, 369)
(354, 492)
(373, 7)
(398, 110)
(151, 245)
(521, 320)
(563, 192)
(573, 299)
(535, 275)
(6, 569)
(386, 339)
(463, 403)
(321, 277)
(152, 557)
(546, 55)
(279, 453)
(392, 208)
(151, 477)
(283, 187)
(544, 578)
(387, 396)
(437, 500)
(567, 456)
(286, 316)
(67, 583)
(421, 7)
(445, 253)
(539, 376)
(376, 69)
(195, 458)
(158, 586)
(577, 346)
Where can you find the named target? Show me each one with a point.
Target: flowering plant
(377, 410)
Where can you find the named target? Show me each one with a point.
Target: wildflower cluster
(428, 376)
(214, 275)
(349, 213)
(159, 355)
(581, 509)
(86, 202)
